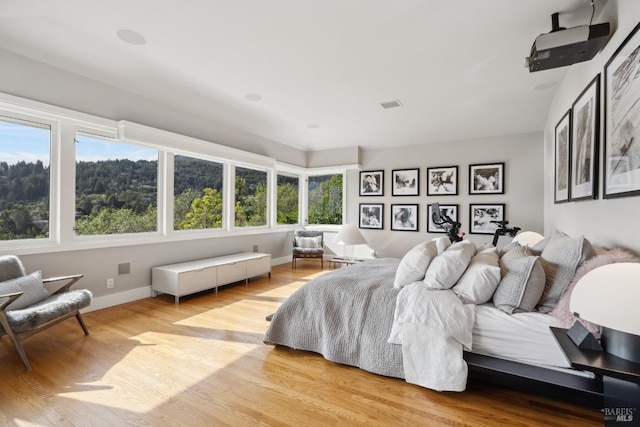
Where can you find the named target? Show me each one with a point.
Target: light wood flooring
(203, 363)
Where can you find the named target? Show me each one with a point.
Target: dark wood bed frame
(548, 383)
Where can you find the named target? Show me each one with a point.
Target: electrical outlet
(109, 283)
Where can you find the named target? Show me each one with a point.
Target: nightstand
(620, 378)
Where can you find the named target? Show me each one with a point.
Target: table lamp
(609, 296)
(349, 235)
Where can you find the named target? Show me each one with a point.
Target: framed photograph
(404, 217)
(406, 182)
(450, 210)
(585, 128)
(372, 183)
(442, 181)
(372, 215)
(622, 120)
(561, 156)
(481, 217)
(486, 178)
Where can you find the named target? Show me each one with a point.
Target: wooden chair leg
(81, 321)
(16, 343)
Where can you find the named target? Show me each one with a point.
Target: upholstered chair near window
(27, 308)
(308, 244)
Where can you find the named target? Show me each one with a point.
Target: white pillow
(308, 242)
(414, 264)
(445, 270)
(442, 243)
(480, 280)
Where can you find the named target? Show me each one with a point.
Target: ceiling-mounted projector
(566, 46)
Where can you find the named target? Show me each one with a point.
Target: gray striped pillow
(31, 286)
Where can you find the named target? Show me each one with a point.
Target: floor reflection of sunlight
(172, 372)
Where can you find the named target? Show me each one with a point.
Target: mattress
(523, 337)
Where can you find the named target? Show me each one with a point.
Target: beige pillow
(522, 281)
(445, 269)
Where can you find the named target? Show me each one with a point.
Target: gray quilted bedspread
(345, 315)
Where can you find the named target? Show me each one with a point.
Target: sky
(30, 144)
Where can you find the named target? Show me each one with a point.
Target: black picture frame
(372, 183)
(404, 217)
(405, 182)
(371, 216)
(562, 165)
(442, 181)
(622, 120)
(486, 178)
(584, 150)
(450, 210)
(481, 215)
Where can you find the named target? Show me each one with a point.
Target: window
(24, 179)
(116, 187)
(251, 197)
(287, 202)
(197, 194)
(325, 199)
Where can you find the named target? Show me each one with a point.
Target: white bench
(194, 276)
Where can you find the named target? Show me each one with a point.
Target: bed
(348, 316)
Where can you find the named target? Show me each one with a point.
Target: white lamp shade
(528, 238)
(609, 296)
(349, 235)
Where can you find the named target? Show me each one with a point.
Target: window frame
(66, 124)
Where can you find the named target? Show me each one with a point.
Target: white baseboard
(105, 301)
(281, 260)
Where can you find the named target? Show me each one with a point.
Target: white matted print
(372, 183)
(405, 182)
(585, 128)
(622, 120)
(450, 211)
(561, 155)
(442, 181)
(486, 178)
(372, 215)
(404, 217)
(482, 217)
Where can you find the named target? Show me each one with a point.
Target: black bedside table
(620, 377)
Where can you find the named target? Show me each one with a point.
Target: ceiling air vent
(391, 104)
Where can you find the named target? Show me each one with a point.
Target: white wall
(523, 157)
(27, 78)
(610, 222)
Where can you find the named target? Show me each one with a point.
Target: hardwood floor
(203, 363)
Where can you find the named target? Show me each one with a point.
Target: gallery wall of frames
(577, 134)
(439, 184)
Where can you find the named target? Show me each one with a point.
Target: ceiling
(321, 68)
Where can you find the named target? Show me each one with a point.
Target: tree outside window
(197, 194)
(116, 187)
(24, 180)
(251, 197)
(287, 201)
(325, 199)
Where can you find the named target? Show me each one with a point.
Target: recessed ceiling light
(131, 37)
(252, 97)
(545, 86)
(312, 126)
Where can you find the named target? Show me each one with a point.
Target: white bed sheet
(522, 337)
